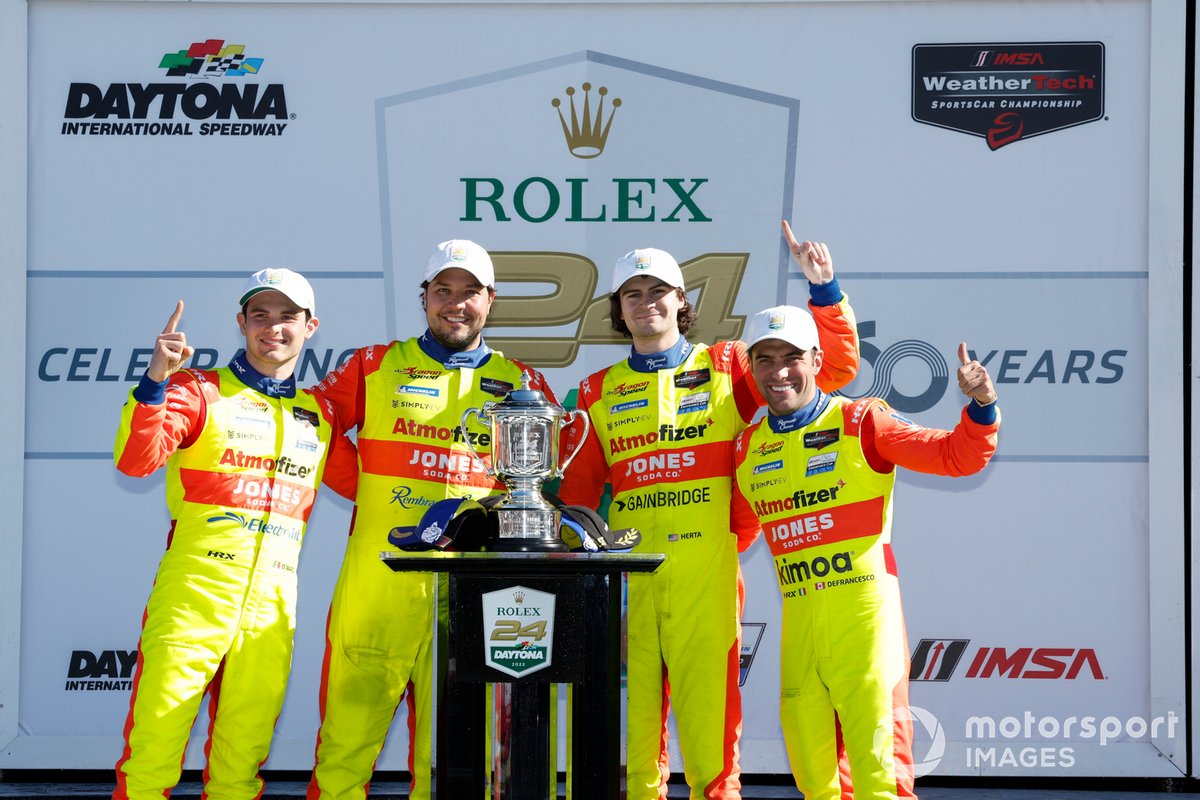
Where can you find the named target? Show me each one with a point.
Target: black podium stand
(586, 653)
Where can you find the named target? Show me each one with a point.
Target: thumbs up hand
(973, 378)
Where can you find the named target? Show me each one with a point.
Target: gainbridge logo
(218, 90)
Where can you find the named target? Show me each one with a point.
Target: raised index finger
(963, 356)
(791, 240)
(174, 320)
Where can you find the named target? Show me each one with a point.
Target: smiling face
(275, 329)
(650, 309)
(456, 308)
(785, 375)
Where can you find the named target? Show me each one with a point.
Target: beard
(457, 337)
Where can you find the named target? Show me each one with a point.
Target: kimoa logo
(586, 137)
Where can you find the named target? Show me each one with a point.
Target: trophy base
(530, 545)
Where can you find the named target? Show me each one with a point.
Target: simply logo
(586, 136)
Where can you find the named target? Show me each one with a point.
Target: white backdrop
(1054, 576)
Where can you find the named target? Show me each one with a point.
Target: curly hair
(686, 317)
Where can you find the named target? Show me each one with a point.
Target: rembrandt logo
(586, 137)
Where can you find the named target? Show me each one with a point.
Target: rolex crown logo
(586, 136)
(518, 597)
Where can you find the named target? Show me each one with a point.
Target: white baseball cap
(461, 254)
(291, 285)
(647, 261)
(786, 323)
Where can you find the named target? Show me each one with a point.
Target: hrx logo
(937, 660)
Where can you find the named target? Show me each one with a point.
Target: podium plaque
(494, 627)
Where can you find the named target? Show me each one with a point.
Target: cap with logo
(786, 323)
(647, 261)
(291, 285)
(461, 254)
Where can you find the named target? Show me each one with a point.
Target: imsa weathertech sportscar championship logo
(518, 627)
(212, 95)
(1008, 91)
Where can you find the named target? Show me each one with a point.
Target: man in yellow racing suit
(817, 474)
(663, 424)
(244, 453)
(406, 399)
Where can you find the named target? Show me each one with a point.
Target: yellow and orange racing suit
(244, 456)
(819, 482)
(406, 400)
(662, 434)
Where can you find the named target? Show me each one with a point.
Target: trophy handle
(478, 414)
(587, 426)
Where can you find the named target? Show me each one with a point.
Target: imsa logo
(938, 659)
(518, 626)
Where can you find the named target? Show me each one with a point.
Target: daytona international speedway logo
(202, 105)
(211, 58)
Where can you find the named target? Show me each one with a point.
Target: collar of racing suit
(670, 358)
(271, 387)
(801, 416)
(454, 359)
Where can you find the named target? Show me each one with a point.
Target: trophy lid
(525, 398)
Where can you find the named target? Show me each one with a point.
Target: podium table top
(522, 563)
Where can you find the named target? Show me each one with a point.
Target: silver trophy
(525, 429)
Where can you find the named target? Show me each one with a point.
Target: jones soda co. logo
(518, 627)
(212, 94)
(1010, 91)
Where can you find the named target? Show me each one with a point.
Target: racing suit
(820, 483)
(662, 434)
(244, 456)
(407, 401)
